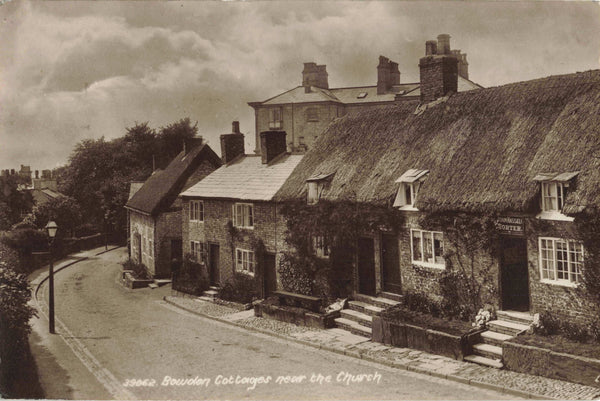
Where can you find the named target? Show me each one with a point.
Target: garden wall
(555, 365)
(406, 335)
(298, 316)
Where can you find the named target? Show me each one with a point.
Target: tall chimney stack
(272, 145)
(232, 145)
(438, 70)
(314, 75)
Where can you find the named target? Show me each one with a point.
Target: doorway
(213, 264)
(270, 274)
(366, 266)
(514, 275)
(391, 264)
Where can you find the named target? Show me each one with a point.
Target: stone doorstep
(510, 328)
(353, 327)
(376, 301)
(358, 317)
(392, 296)
(494, 338)
(524, 318)
(365, 308)
(488, 351)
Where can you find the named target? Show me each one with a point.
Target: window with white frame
(408, 190)
(243, 215)
(553, 196)
(199, 251)
(275, 120)
(321, 246)
(561, 260)
(316, 185)
(427, 248)
(244, 261)
(196, 210)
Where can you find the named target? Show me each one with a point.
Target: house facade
(155, 212)
(305, 111)
(231, 223)
(489, 184)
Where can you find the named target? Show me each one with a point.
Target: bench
(304, 301)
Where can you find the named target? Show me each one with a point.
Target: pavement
(329, 341)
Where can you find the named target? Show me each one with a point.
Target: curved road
(126, 337)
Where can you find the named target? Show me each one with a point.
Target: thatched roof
(483, 148)
(162, 188)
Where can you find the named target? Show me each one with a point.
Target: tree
(65, 211)
(13, 202)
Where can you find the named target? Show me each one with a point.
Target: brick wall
(168, 228)
(143, 225)
(566, 303)
(269, 226)
(439, 75)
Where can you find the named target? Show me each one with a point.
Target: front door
(391, 264)
(514, 274)
(137, 245)
(270, 275)
(366, 266)
(213, 268)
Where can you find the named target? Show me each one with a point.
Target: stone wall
(143, 225)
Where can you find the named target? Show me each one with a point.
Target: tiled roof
(246, 179)
(359, 94)
(162, 188)
(134, 186)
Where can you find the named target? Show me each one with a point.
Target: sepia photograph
(299, 200)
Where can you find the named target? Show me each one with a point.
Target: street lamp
(51, 228)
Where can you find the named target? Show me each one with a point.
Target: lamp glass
(51, 227)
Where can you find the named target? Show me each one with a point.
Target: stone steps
(391, 296)
(510, 328)
(365, 308)
(353, 327)
(376, 301)
(481, 360)
(358, 317)
(524, 318)
(493, 338)
(488, 351)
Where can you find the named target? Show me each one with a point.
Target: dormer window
(553, 191)
(408, 190)
(316, 185)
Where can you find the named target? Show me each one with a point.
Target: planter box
(295, 315)
(547, 363)
(133, 283)
(406, 335)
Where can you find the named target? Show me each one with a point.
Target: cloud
(80, 70)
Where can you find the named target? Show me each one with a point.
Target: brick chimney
(388, 75)
(463, 65)
(439, 70)
(394, 74)
(191, 143)
(314, 75)
(232, 145)
(272, 144)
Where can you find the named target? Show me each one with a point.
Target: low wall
(298, 316)
(406, 335)
(555, 365)
(130, 282)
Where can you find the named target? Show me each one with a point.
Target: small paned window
(243, 215)
(321, 246)
(553, 196)
(312, 114)
(275, 120)
(561, 260)
(427, 248)
(244, 261)
(410, 184)
(196, 211)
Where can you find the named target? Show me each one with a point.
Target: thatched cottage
(523, 157)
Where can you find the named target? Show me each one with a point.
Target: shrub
(574, 332)
(139, 269)
(595, 330)
(192, 277)
(548, 324)
(242, 288)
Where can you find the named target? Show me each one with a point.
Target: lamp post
(51, 228)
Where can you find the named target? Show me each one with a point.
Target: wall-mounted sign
(510, 226)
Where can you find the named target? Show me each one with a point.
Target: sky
(76, 70)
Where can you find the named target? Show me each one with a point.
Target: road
(139, 347)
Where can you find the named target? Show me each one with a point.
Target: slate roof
(134, 186)
(483, 148)
(246, 178)
(161, 189)
(350, 95)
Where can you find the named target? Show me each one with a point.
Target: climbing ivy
(340, 224)
(469, 280)
(588, 230)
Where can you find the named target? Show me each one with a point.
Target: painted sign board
(511, 226)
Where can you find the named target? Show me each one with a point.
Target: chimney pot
(37, 173)
(443, 43)
(430, 48)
